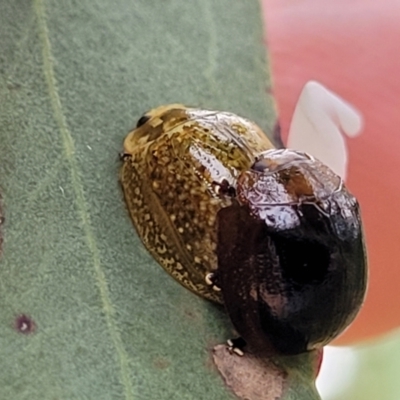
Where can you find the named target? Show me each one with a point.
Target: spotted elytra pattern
(176, 166)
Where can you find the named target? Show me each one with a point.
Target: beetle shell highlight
(180, 168)
(291, 258)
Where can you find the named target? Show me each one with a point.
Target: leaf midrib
(82, 207)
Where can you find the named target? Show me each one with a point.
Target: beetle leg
(224, 188)
(210, 279)
(236, 346)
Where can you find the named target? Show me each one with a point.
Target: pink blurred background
(353, 48)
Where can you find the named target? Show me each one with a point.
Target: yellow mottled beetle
(180, 167)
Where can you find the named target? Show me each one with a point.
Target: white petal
(319, 119)
(338, 372)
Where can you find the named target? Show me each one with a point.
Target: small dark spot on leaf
(269, 90)
(25, 324)
(161, 363)
(190, 314)
(13, 86)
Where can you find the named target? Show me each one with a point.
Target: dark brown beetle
(291, 257)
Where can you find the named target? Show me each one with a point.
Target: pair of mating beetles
(273, 234)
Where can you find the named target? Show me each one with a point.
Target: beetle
(180, 166)
(291, 255)
(271, 233)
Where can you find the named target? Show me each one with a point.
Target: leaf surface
(86, 313)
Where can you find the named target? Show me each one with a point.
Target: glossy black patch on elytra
(302, 261)
(287, 291)
(24, 324)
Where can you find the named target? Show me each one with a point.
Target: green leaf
(86, 313)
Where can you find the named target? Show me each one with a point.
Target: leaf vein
(69, 147)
